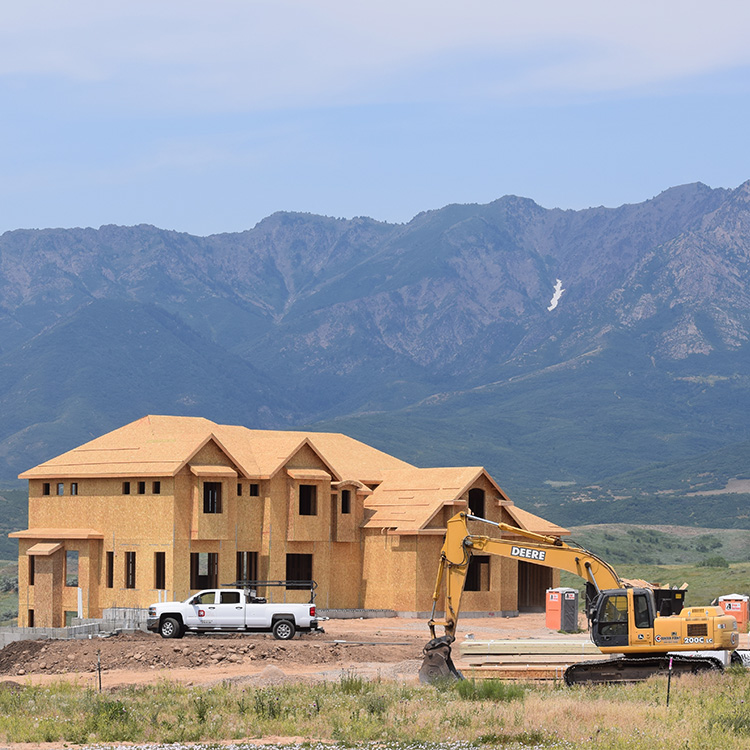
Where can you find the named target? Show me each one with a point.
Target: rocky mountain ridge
(434, 338)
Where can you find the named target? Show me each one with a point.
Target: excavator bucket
(437, 664)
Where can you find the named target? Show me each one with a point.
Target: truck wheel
(283, 630)
(170, 628)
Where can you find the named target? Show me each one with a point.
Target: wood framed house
(166, 506)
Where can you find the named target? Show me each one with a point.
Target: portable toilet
(561, 610)
(737, 606)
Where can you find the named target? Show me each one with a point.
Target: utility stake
(99, 670)
(669, 679)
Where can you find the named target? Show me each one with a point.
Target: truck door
(257, 612)
(610, 625)
(229, 612)
(201, 610)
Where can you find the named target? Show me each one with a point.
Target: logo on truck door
(529, 554)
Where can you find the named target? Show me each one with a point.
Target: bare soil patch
(389, 648)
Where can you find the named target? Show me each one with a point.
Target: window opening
(60, 488)
(346, 501)
(31, 618)
(299, 568)
(308, 500)
(130, 570)
(204, 570)
(71, 567)
(247, 566)
(254, 490)
(126, 488)
(239, 489)
(74, 488)
(476, 502)
(478, 574)
(160, 570)
(110, 570)
(141, 488)
(32, 569)
(46, 488)
(212, 497)
(156, 488)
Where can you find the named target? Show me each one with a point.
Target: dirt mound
(141, 651)
(387, 648)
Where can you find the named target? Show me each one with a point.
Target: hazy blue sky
(206, 117)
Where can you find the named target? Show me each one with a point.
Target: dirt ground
(389, 648)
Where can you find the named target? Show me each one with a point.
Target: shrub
(489, 690)
(268, 704)
(715, 561)
(351, 683)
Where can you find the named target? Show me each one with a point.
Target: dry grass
(710, 711)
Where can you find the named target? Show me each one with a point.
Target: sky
(207, 117)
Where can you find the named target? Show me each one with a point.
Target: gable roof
(163, 445)
(538, 525)
(409, 498)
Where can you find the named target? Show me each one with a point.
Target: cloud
(244, 55)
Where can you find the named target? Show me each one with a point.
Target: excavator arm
(458, 548)
(645, 637)
(549, 551)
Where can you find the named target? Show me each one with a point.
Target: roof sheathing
(408, 500)
(152, 446)
(163, 445)
(530, 522)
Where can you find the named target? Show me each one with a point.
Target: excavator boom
(623, 616)
(460, 545)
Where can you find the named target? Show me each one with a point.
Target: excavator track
(637, 668)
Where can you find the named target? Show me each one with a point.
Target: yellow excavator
(630, 618)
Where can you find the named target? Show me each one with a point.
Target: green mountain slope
(110, 363)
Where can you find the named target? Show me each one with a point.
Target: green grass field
(8, 592)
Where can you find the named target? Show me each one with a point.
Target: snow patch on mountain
(556, 296)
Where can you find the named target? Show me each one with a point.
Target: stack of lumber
(524, 660)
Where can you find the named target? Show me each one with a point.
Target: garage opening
(533, 582)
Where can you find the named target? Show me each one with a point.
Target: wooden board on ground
(472, 647)
(524, 660)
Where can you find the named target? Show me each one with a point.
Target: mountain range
(595, 361)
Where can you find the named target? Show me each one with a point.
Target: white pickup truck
(231, 610)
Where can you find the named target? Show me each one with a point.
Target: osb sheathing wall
(354, 568)
(138, 523)
(346, 525)
(48, 584)
(308, 528)
(398, 571)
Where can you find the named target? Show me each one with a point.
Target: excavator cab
(611, 612)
